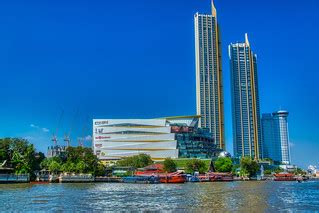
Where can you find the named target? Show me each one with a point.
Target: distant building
(245, 101)
(56, 151)
(209, 83)
(276, 137)
(174, 137)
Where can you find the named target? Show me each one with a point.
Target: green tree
(300, 172)
(196, 165)
(223, 165)
(267, 172)
(20, 155)
(235, 169)
(100, 170)
(5, 150)
(54, 166)
(278, 170)
(249, 167)
(137, 161)
(80, 167)
(68, 167)
(169, 165)
(82, 154)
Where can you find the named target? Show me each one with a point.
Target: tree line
(23, 158)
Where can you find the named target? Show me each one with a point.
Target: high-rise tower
(245, 101)
(276, 136)
(209, 87)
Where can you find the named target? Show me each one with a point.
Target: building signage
(102, 137)
(101, 122)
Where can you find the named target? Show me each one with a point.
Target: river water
(190, 197)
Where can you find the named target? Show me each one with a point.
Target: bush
(169, 165)
(223, 165)
(248, 167)
(137, 161)
(196, 165)
(278, 170)
(267, 172)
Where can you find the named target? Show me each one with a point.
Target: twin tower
(244, 88)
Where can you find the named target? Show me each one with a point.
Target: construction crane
(55, 134)
(67, 136)
(81, 140)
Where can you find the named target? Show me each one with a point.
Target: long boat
(172, 178)
(220, 177)
(284, 177)
(157, 170)
(141, 179)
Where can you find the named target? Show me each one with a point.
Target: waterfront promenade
(252, 196)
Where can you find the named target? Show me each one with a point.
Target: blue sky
(135, 59)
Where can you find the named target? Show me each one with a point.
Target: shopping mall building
(174, 137)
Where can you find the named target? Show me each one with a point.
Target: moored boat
(284, 177)
(220, 177)
(141, 179)
(172, 178)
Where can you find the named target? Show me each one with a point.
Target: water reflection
(226, 197)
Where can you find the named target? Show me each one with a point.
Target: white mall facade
(114, 139)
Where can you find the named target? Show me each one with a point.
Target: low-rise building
(174, 137)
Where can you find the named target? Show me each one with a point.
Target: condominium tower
(245, 101)
(276, 136)
(209, 87)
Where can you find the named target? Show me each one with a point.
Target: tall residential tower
(245, 101)
(209, 87)
(276, 137)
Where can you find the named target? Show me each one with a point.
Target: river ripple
(190, 197)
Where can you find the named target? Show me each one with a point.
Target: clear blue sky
(135, 59)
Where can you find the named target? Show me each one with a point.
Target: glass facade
(276, 136)
(209, 89)
(245, 101)
(196, 143)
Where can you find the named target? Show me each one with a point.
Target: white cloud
(86, 138)
(43, 129)
(292, 144)
(34, 126)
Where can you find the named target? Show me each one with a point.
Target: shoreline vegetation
(21, 158)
